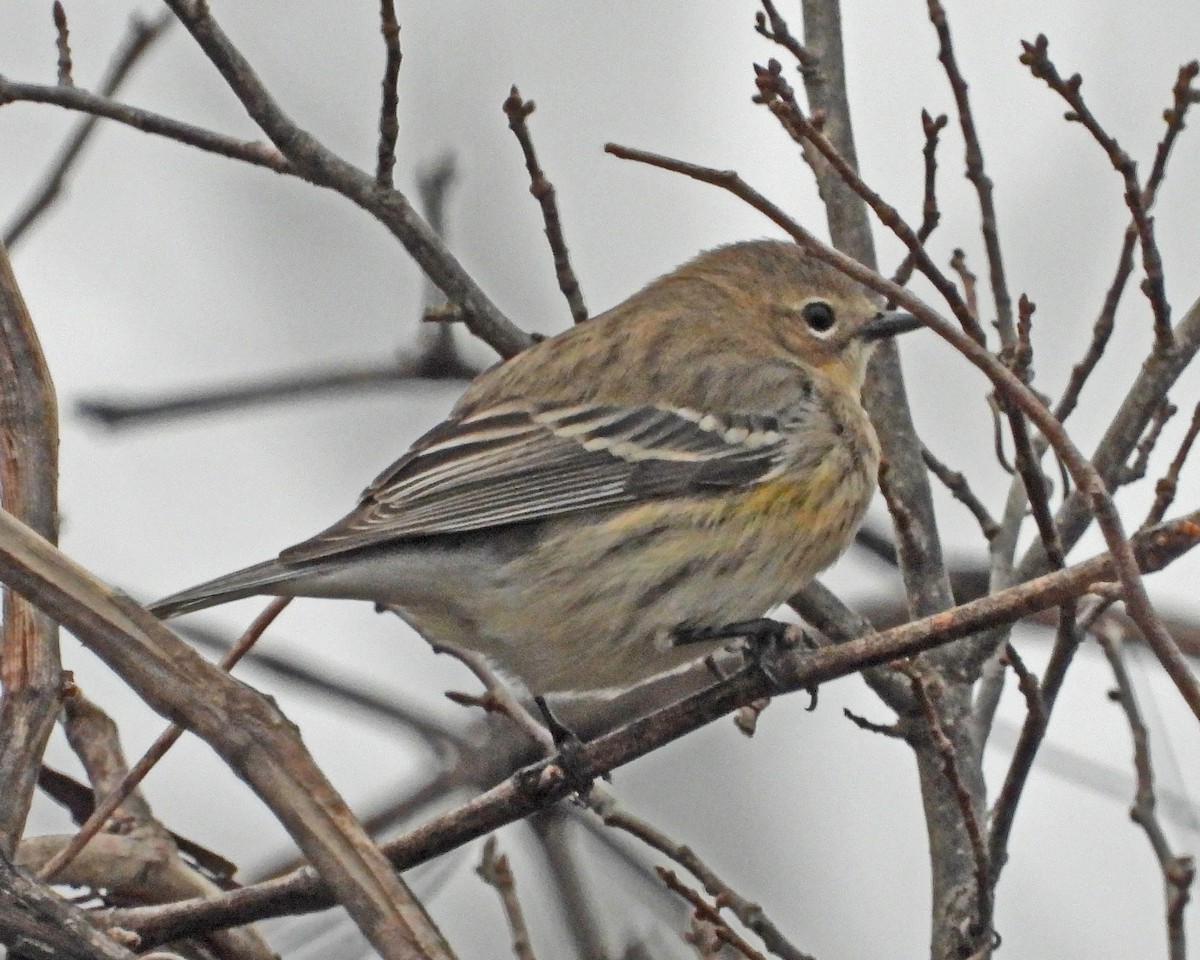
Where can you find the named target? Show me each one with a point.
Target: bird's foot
(765, 640)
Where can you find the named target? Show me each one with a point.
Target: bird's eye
(818, 315)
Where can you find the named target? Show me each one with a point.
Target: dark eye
(818, 315)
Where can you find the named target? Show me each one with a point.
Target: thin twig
(708, 913)
(930, 214)
(771, 25)
(141, 36)
(319, 165)
(748, 912)
(108, 804)
(958, 485)
(72, 98)
(389, 121)
(314, 678)
(1037, 490)
(306, 158)
(495, 871)
(891, 730)
(1037, 59)
(1178, 871)
(1070, 630)
(1136, 470)
(1184, 95)
(498, 697)
(1158, 373)
(779, 97)
(998, 440)
(518, 111)
(62, 41)
(958, 263)
(1022, 351)
(1101, 330)
(1028, 684)
(554, 829)
(1164, 490)
(437, 345)
(119, 412)
(976, 174)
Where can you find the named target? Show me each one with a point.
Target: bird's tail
(257, 579)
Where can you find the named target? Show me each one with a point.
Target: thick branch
(262, 747)
(30, 670)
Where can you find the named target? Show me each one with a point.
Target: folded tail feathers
(233, 586)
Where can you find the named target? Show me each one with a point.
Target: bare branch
(30, 669)
(710, 915)
(748, 912)
(63, 42)
(1154, 380)
(72, 98)
(498, 697)
(114, 798)
(1028, 684)
(139, 39)
(317, 164)
(120, 412)
(1136, 470)
(1037, 59)
(976, 174)
(496, 872)
(930, 214)
(1178, 871)
(1066, 642)
(957, 484)
(958, 263)
(777, 94)
(1164, 490)
(32, 915)
(518, 111)
(301, 155)
(771, 25)
(1101, 330)
(1184, 95)
(389, 122)
(582, 909)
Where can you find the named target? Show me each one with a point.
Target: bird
(687, 460)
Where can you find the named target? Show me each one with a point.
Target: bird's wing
(515, 463)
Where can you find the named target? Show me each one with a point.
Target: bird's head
(809, 311)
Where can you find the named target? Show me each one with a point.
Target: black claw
(570, 749)
(759, 630)
(765, 640)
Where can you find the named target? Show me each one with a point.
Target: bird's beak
(889, 323)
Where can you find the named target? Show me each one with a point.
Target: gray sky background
(165, 268)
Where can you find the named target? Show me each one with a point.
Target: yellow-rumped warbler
(687, 460)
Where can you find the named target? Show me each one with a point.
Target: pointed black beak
(889, 323)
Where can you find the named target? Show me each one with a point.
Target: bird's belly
(595, 605)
